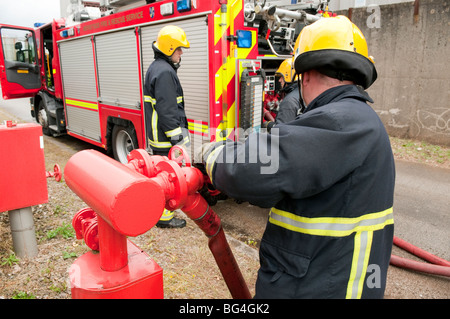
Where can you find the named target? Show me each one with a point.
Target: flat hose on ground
(438, 265)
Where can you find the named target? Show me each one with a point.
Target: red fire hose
(438, 265)
(201, 213)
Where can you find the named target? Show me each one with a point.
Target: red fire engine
(85, 76)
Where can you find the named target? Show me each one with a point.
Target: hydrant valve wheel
(179, 155)
(56, 173)
(142, 162)
(178, 189)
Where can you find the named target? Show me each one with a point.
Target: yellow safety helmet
(286, 69)
(337, 48)
(170, 38)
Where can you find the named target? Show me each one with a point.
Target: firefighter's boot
(173, 223)
(168, 220)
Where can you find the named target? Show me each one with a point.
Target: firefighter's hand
(201, 153)
(206, 194)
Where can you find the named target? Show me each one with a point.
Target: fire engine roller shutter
(118, 69)
(80, 93)
(193, 73)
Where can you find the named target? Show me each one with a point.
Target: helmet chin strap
(176, 65)
(302, 101)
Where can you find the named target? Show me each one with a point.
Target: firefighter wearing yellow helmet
(337, 48)
(170, 38)
(329, 178)
(289, 106)
(286, 70)
(165, 117)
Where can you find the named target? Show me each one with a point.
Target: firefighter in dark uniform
(290, 105)
(330, 229)
(165, 118)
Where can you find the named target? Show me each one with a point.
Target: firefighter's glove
(201, 153)
(206, 194)
(268, 125)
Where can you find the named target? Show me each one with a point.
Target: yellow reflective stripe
(331, 226)
(173, 132)
(87, 105)
(186, 140)
(210, 161)
(148, 98)
(155, 142)
(198, 127)
(154, 125)
(160, 144)
(360, 261)
(167, 215)
(362, 226)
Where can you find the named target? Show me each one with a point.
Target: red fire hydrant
(122, 203)
(128, 200)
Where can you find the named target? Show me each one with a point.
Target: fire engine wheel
(42, 118)
(123, 142)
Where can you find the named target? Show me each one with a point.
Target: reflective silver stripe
(360, 261)
(186, 140)
(331, 226)
(160, 144)
(148, 98)
(166, 215)
(154, 125)
(362, 226)
(211, 160)
(174, 132)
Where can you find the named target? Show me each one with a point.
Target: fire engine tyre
(42, 118)
(124, 140)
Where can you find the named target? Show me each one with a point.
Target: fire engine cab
(84, 73)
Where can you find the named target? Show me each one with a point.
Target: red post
(113, 247)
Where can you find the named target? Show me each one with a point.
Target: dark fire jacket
(328, 177)
(165, 118)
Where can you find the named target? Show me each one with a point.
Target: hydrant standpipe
(127, 200)
(120, 198)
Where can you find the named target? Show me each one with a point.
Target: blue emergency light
(244, 39)
(183, 5)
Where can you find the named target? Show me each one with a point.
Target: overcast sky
(27, 12)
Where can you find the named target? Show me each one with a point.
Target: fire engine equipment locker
(118, 69)
(194, 70)
(251, 103)
(80, 88)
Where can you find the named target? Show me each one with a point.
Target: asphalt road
(422, 207)
(421, 204)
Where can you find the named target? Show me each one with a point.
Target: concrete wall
(335, 5)
(412, 56)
